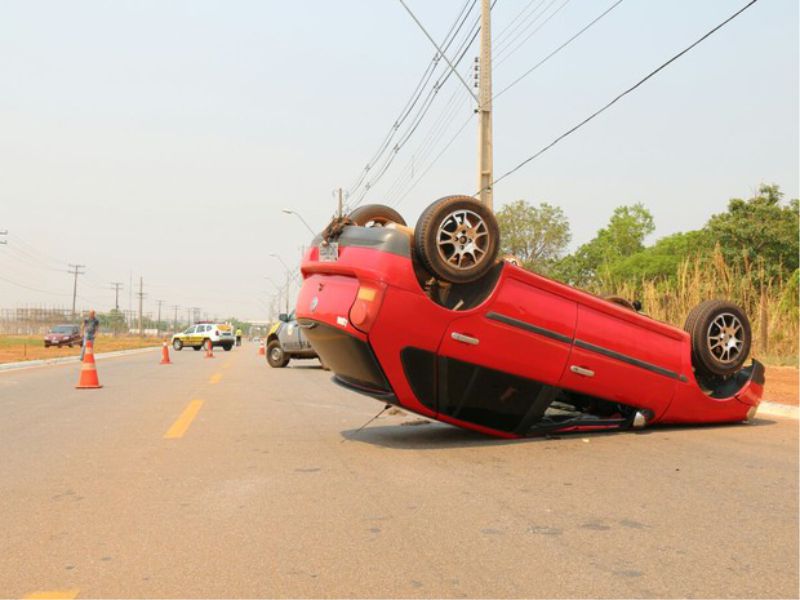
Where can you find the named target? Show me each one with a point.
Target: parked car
(285, 341)
(63, 335)
(203, 332)
(429, 320)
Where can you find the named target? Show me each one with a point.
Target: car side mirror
(283, 317)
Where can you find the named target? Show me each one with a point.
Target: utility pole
(158, 319)
(141, 301)
(75, 270)
(485, 152)
(341, 204)
(3, 233)
(117, 285)
(175, 307)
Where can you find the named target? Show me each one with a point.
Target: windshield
(62, 329)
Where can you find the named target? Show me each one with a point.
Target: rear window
(63, 329)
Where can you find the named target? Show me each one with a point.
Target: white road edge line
(774, 409)
(50, 362)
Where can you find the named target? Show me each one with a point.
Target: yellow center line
(182, 423)
(54, 594)
(215, 378)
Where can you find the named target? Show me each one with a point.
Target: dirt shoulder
(19, 348)
(782, 385)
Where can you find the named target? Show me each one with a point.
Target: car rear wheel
(276, 357)
(457, 239)
(196, 348)
(178, 345)
(720, 336)
(376, 215)
(227, 347)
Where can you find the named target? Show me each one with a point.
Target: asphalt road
(225, 478)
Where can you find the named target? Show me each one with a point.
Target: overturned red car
(429, 319)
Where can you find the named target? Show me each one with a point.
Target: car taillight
(365, 309)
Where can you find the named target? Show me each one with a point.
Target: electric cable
(622, 95)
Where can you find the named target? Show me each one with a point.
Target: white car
(200, 334)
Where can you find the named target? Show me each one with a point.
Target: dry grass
(772, 307)
(18, 348)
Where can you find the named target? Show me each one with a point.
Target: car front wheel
(276, 357)
(720, 336)
(227, 347)
(178, 345)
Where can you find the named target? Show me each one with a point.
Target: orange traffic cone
(209, 349)
(165, 355)
(262, 351)
(88, 378)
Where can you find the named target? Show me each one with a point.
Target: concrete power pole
(175, 307)
(141, 302)
(117, 285)
(158, 319)
(485, 152)
(75, 270)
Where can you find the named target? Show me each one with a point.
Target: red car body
(63, 335)
(504, 353)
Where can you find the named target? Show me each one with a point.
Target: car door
(497, 362)
(624, 357)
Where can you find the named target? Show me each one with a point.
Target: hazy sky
(162, 138)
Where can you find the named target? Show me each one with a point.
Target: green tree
(759, 229)
(537, 235)
(624, 236)
(662, 259)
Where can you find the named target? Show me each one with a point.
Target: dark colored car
(63, 335)
(428, 319)
(286, 341)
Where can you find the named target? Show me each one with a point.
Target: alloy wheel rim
(725, 338)
(462, 239)
(276, 354)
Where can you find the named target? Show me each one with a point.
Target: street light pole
(299, 216)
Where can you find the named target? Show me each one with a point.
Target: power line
(460, 53)
(559, 49)
(532, 33)
(439, 50)
(623, 94)
(416, 94)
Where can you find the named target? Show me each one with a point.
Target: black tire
(460, 218)
(46, 345)
(177, 345)
(227, 347)
(276, 357)
(196, 348)
(375, 215)
(720, 337)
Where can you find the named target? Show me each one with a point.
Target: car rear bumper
(351, 359)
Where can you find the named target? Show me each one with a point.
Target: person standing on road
(90, 327)
(238, 337)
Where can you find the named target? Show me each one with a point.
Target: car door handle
(581, 371)
(465, 339)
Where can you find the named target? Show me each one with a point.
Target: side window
(190, 331)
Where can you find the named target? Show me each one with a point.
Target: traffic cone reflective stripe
(262, 349)
(209, 349)
(165, 355)
(88, 378)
